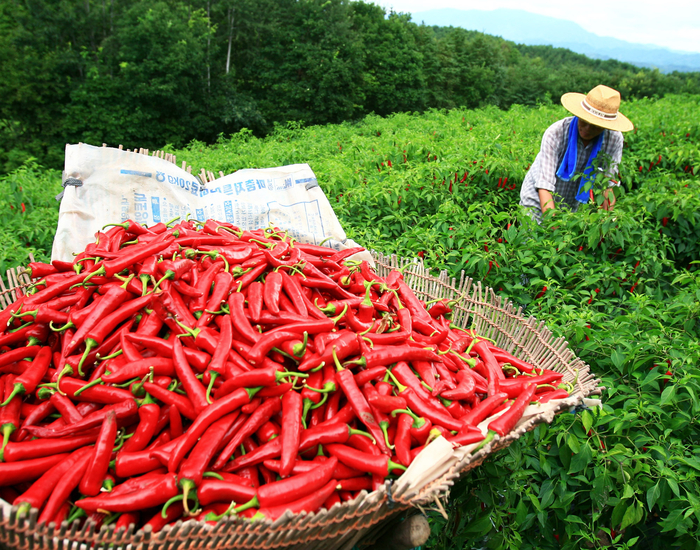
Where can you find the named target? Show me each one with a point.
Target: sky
(673, 24)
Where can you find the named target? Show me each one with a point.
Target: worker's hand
(609, 201)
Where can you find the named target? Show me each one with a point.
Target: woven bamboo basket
(362, 521)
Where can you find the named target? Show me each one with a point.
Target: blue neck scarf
(568, 164)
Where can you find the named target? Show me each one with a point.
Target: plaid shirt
(542, 173)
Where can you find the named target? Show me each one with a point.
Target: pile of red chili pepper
(198, 370)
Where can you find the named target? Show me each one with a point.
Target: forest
(156, 73)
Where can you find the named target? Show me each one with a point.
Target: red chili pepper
(495, 373)
(215, 490)
(386, 403)
(36, 448)
(128, 465)
(49, 292)
(30, 335)
(515, 386)
(204, 283)
(541, 397)
(466, 436)
(271, 291)
(386, 355)
(222, 287)
(505, 357)
(402, 439)
(292, 406)
(149, 413)
(267, 341)
(125, 409)
(303, 466)
(345, 345)
(213, 412)
(114, 298)
(380, 465)
(196, 392)
(106, 325)
(506, 422)
(9, 413)
(33, 374)
(484, 409)
(65, 485)
(36, 495)
(308, 503)
(173, 269)
(266, 376)
(255, 300)
(236, 303)
(130, 257)
(197, 359)
(160, 489)
(405, 376)
(465, 388)
(182, 403)
(107, 395)
(161, 366)
(98, 463)
(251, 425)
(292, 488)
(292, 288)
(192, 469)
(375, 373)
(171, 308)
(12, 356)
(359, 405)
(69, 412)
(28, 469)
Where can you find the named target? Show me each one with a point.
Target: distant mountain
(523, 27)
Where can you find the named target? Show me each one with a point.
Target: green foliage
(621, 287)
(28, 214)
(148, 74)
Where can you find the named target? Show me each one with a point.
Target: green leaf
(618, 358)
(581, 459)
(673, 484)
(653, 495)
(633, 515)
(668, 394)
(587, 420)
(535, 501)
(619, 512)
(479, 526)
(520, 512)
(572, 442)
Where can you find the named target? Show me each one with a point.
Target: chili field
(623, 288)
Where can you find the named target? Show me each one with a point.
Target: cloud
(672, 24)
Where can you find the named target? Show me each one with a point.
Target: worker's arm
(609, 201)
(546, 200)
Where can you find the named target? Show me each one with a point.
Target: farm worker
(581, 144)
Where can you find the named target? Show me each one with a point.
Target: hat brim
(572, 103)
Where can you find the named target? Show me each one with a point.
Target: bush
(28, 214)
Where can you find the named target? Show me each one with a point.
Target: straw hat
(599, 107)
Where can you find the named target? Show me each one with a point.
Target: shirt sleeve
(549, 154)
